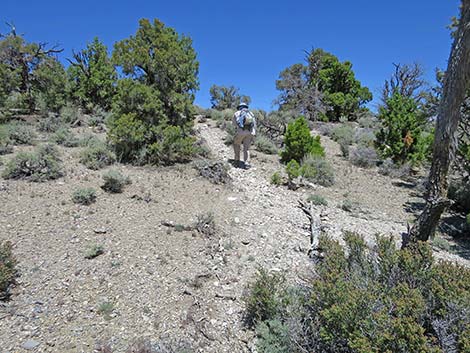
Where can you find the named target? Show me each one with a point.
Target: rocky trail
(173, 286)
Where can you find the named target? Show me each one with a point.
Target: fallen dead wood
(315, 229)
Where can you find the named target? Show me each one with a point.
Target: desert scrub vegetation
(84, 196)
(265, 145)
(364, 157)
(215, 172)
(93, 251)
(41, 165)
(8, 270)
(276, 179)
(317, 169)
(114, 181)
(50, 123)
(298, 142)
(65, 137)
(97, 155)
(379, 299)
(151, 119)
(205, 224)
(21, 133)
(5, 142)
(317, 200)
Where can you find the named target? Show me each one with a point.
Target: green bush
(21, 133)
(84, 196)
(8, 271)
(293, 169)
(172, 147)
(51, 123)
(152, 110)
(365, 137)
(343, 133)
(65, 137)
(265, 297)
(402, 136)
(298, 142)
(364, 157)
(317, 169)
(459, 192)
(231, 132)
(94, 251)
(114, 181)
(70, 113)
(97, 156)
(41, 165)
(317, 200)
(276, 179)
(89, 140)
(265, 145)
(273, 337)
(371, 300)
(5, 142)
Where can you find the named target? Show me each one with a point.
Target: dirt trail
(156, 283)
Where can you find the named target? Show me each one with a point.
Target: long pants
(242, 138)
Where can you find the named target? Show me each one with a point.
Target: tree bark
(457, 81)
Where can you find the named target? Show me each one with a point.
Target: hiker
(245, 125)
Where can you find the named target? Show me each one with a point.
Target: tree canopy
(324, 89)
(223, 97)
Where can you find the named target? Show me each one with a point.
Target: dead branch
(315, 229)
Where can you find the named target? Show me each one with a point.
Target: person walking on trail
(245, 125)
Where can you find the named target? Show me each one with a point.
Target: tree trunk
(457, 81)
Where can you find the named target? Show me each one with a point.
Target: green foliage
(373, 300)
(364, 157)
(65, 137)
(343, 133)
(105, 309)
(8, 271)
(317, 200)
(50, 123)
(142, 128)
(343, 93)
(84, 196)
(223, 97)
(401, 136)
(152, 109)
(265, 145)
(273, 337)
(459, 192)
(276, 179)
(114, 181)
(5, 142)
(20, 133)
(41, 165)
(298, 142)
(293, 169)
(324, 89)
(205, 224)
(348, 205)
(317, 169)
(164, 70)
(94, 251)
(50, 79)
(70, 113)
(30, 73)
(172, 147)
(92, 77)
(97, 156)
(265, 297)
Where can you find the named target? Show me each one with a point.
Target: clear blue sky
(248, 43)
